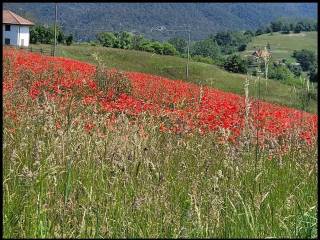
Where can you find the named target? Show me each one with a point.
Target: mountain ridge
(84, 20)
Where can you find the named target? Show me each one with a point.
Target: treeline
(286, 26)
(45, 35)
(126, 40)
(211, 50)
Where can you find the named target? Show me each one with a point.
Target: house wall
(16, 34)
(12, 34)
(25, 35)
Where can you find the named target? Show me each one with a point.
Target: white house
(15, 29)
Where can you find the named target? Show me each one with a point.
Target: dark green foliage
(42, 34)
(137, 41)
(298, 28)
(206, 48)
(203, 59)
(276, 26)
(235, 64)
(179, 43)
(83, 19)
(69, 40)
(259, 32)
(313, 75)
(280, 72)
(123, 40)
(242, 47)
(169, 49)
(285, 25)
(60, 37)
(306, 58)
(106, 39)
(285, 29)
(295, 69)
(231, 42)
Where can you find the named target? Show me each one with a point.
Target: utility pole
(55, 31)
(164, 29)
(188, 54)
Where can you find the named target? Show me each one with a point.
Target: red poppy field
(189, 107)
(92, 152)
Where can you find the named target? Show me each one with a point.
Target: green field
(174, 68)
(283, 45)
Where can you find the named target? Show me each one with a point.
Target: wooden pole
(55, 31)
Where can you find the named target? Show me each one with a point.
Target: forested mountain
(85, 20)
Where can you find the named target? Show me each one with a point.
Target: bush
(206, 48)
(235, 64)
(313, 75)
(306, 58)
(106, 39)
(179, 44)
(69, 40)
(198, 58)
(280, 72)
(295, 69)
(169, 49)
(242, 47)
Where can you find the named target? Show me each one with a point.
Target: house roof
(9, 17)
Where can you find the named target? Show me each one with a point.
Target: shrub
(198, 58)
(169, 49)
(106, 39)
(69, 40)
(306, 58)
(280, 72)
(236, 64)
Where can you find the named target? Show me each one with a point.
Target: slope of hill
(85, 19)
(174, 68)
(283, 45)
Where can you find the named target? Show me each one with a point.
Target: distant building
(15, 29)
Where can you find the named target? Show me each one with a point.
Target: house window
(7, 41)
(8, 28)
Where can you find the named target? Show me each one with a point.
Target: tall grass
(130, 179)
(136, 181)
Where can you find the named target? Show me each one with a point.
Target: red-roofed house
(15, 29)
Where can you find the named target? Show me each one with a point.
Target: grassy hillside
(283, 45)
(174, 68)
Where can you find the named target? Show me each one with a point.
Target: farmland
(90, 152)
(283, 45)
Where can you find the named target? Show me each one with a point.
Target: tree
(60, 36)
(249, 33)
(235, 64)
(69, 40)
(136, 42)
(276, 26)
(297, 28)
(123, 40)
(259, 32)
(295, 69)
(158, 47)
(313, 75)
(169, 49)
(306, 58)
(242, 47)
(106, 39)
(206, 48)
(280, 72)
(179, 43)
(42, 34)
(285, 29)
